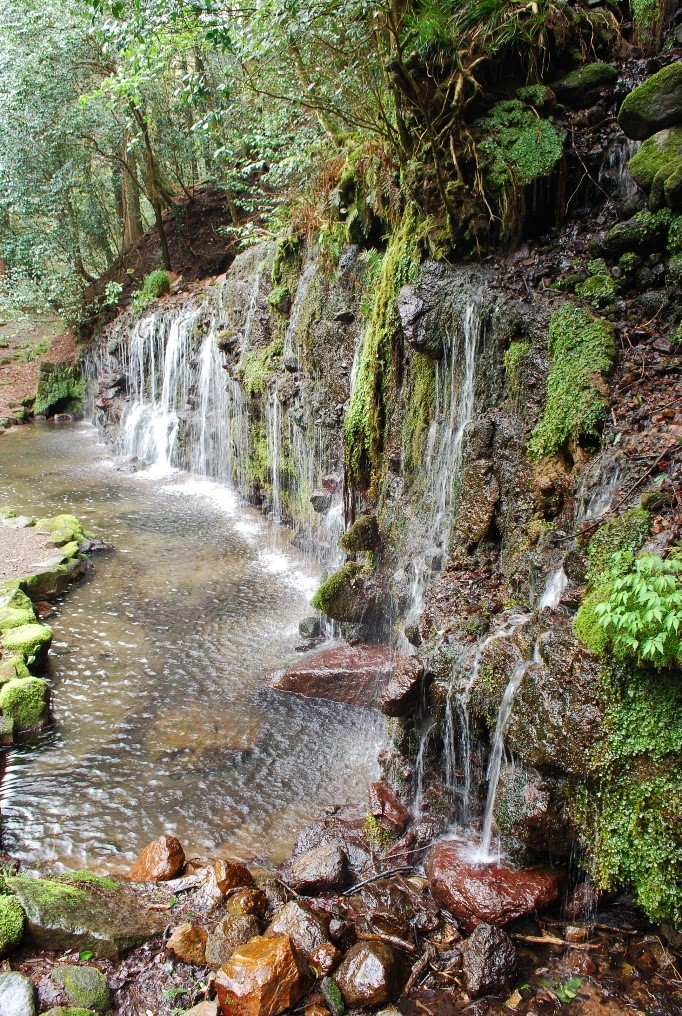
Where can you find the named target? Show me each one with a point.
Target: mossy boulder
(11, 924)
(657, 168)
(363, 535)
(60, 389)
(583, 87)
(654, 105)
(68, 1010)
(342, 595)
(85, 987)
(53, 576)
(26, 702)
(646, 233)
(62, 529)
(29, 641)
(75, 914)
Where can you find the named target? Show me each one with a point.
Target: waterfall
(273, 424)
(291, 348)
(614, 175)
(555, 585)
(453, 410)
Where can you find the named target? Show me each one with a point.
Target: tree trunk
(130, 200)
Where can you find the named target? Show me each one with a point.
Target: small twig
(375, 878)
(379, 936)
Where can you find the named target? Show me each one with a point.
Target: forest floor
(25, 343)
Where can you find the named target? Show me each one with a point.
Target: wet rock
(582, 88)
(231, 875)
(262, 978)
(276, 893)
(401, 695)
(654, 105)
(487, 893)
(332, 997)
(363, 535)
(490, 961)
(96, 914)
(346, 828)
(631, 236)
(582, 902)
(325, 958)
(657, 168)
(369, 975)
(331, 483)
(356, 675)
(252, 902)
(85, 987)
(307, 929)
(17, 995)
(203, 1009)
(309, 627)
(384, 804)
(480, 494)
(531, 807)
(233, 931)
(321, 500)
(322, 868)
(188, 944)
(159, 861)
(414, 310)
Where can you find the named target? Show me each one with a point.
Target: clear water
(163, 722)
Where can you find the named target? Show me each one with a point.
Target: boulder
(321, 500)
(385, 805)
(490, 961)
(347, 595)
(17, 995)
(356, 675)
(306, 929)
(476, 893)
(362, 536)
(318, 870)
(25, 702)
(653, 105)
(657, 168)
(401, 695)
(84, 912)
(231, 875)
(310, 627)
(32, 641)
(85, 987)
(414, 310)
(249, 902)
(582, 88)
(159, 861)
(369, 975)
(480, 494)
(228, 935)
(638, 235)
(11, 923)
(188, 944)
(262, 978)
(531, 807)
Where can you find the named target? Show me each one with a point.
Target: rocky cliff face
(483, 433)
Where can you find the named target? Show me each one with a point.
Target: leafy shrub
(641, 613)
(155, 284)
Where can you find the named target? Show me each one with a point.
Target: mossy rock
(11, 924)
(30, 641)
(653, 105)
(60, 389)
(13, 667)
(341, 596)
(6, 731)
(657, 168)
(26, 702)
(16, 617)
(540, 96)
(646, 233)
(582, 88)
(53, 577)
(85, 987)
(363, 535)
(68, 1010)
(62, 529)
(599, 290)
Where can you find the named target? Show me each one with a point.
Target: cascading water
(614, 175)
(273, 425)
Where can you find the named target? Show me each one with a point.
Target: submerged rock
(262, 978)
(84, 913)
(490, 961)
(478, 893)
(369, 975)
(356, 675)
(159, 861)
(318, 870)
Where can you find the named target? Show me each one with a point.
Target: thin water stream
(163, 722)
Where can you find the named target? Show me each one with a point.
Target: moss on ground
(582, 350)
(512, 365)
(11, 923)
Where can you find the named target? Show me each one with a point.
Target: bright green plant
(641, 613)
(155, 284)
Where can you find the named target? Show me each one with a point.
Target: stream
(162, 720)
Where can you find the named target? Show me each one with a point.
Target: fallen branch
(375, 878)
(379, 936)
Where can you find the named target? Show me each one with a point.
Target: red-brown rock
(318, 870)
(489, 893)
(231, 875)
(188, 944)
(262, 978)
(356, 675)
(401, 695)
(385, 805)
(369, 975)
(159, 861)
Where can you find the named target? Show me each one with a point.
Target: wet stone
(231, 875)
(304, 927)
(188, 944)
(384, 804)
(490, 961)
(401, 696)
(322, 868)
(85, 987)
(17, 995)
(227, 936)
(247, 902)
(369, 974)
(159, 861)
(262, 978)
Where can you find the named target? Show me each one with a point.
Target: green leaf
(86, 955)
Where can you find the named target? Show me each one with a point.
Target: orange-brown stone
(159, 861)
(188, 944)
(262, 978)
(231, 875)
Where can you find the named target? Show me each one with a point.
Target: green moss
(586, 623)
(16, 617)
(420, 398)
(63, 529)
(365, 420)
(60, 388)
(512, 364)
(154, 285)
(28, 641)
(627, 532)
(539, 96)
(86, 987)
(259, 366)
(68, 1010)
(597, 289)
(24, 700)
(48, 891)
(582, 350)
(375, 834)
(88, 878)
(656, 165)
(11, 923)
(279, 298)
(363, 535)
(334, 586)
